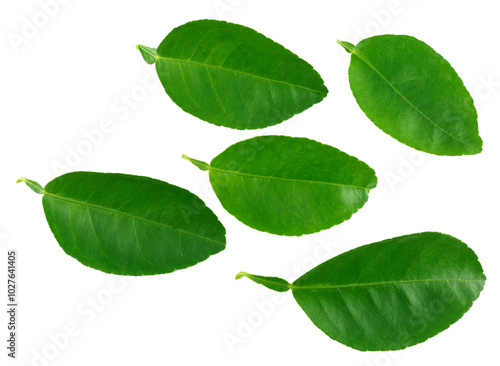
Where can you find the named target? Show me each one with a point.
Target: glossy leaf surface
(129, 225)
(289, 185)
(389, 295)
(413, 94)
(233, 76)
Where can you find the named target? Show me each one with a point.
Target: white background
(76, 65)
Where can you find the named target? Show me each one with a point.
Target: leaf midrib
(232, 172)
(320, 287)
(190, 62)
(83, 203)
(367, 63)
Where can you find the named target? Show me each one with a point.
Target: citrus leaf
(289, 185)
(233, 76)
(129, 225)
(389, 295)
(413, 94)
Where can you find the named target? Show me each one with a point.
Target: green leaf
(289, 185)
(130, 225)
(392, 294)
(413, 94)
(233, 76)
(35, 187)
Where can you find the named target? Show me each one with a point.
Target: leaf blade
(413, 94)
(130, 225)
(233, 76)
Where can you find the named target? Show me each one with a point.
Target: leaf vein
(352, 314)
(215, 90)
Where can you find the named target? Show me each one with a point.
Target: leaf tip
(478, 148)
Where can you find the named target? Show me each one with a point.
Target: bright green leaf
(233, 76)
(389, 295)
(289, 185)
(413, 94)
(129, 225)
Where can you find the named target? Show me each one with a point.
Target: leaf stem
(35, 187)
(200, 164)
(148, 53)
(273, 283)
(349, 47)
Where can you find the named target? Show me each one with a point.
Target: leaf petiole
(35, 187)
(200, 164)
(148, 53)
(349, 47)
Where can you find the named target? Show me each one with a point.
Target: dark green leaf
(389, 295)
(413, 94)
(289, 185)
(233, 76)
(129, 225)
